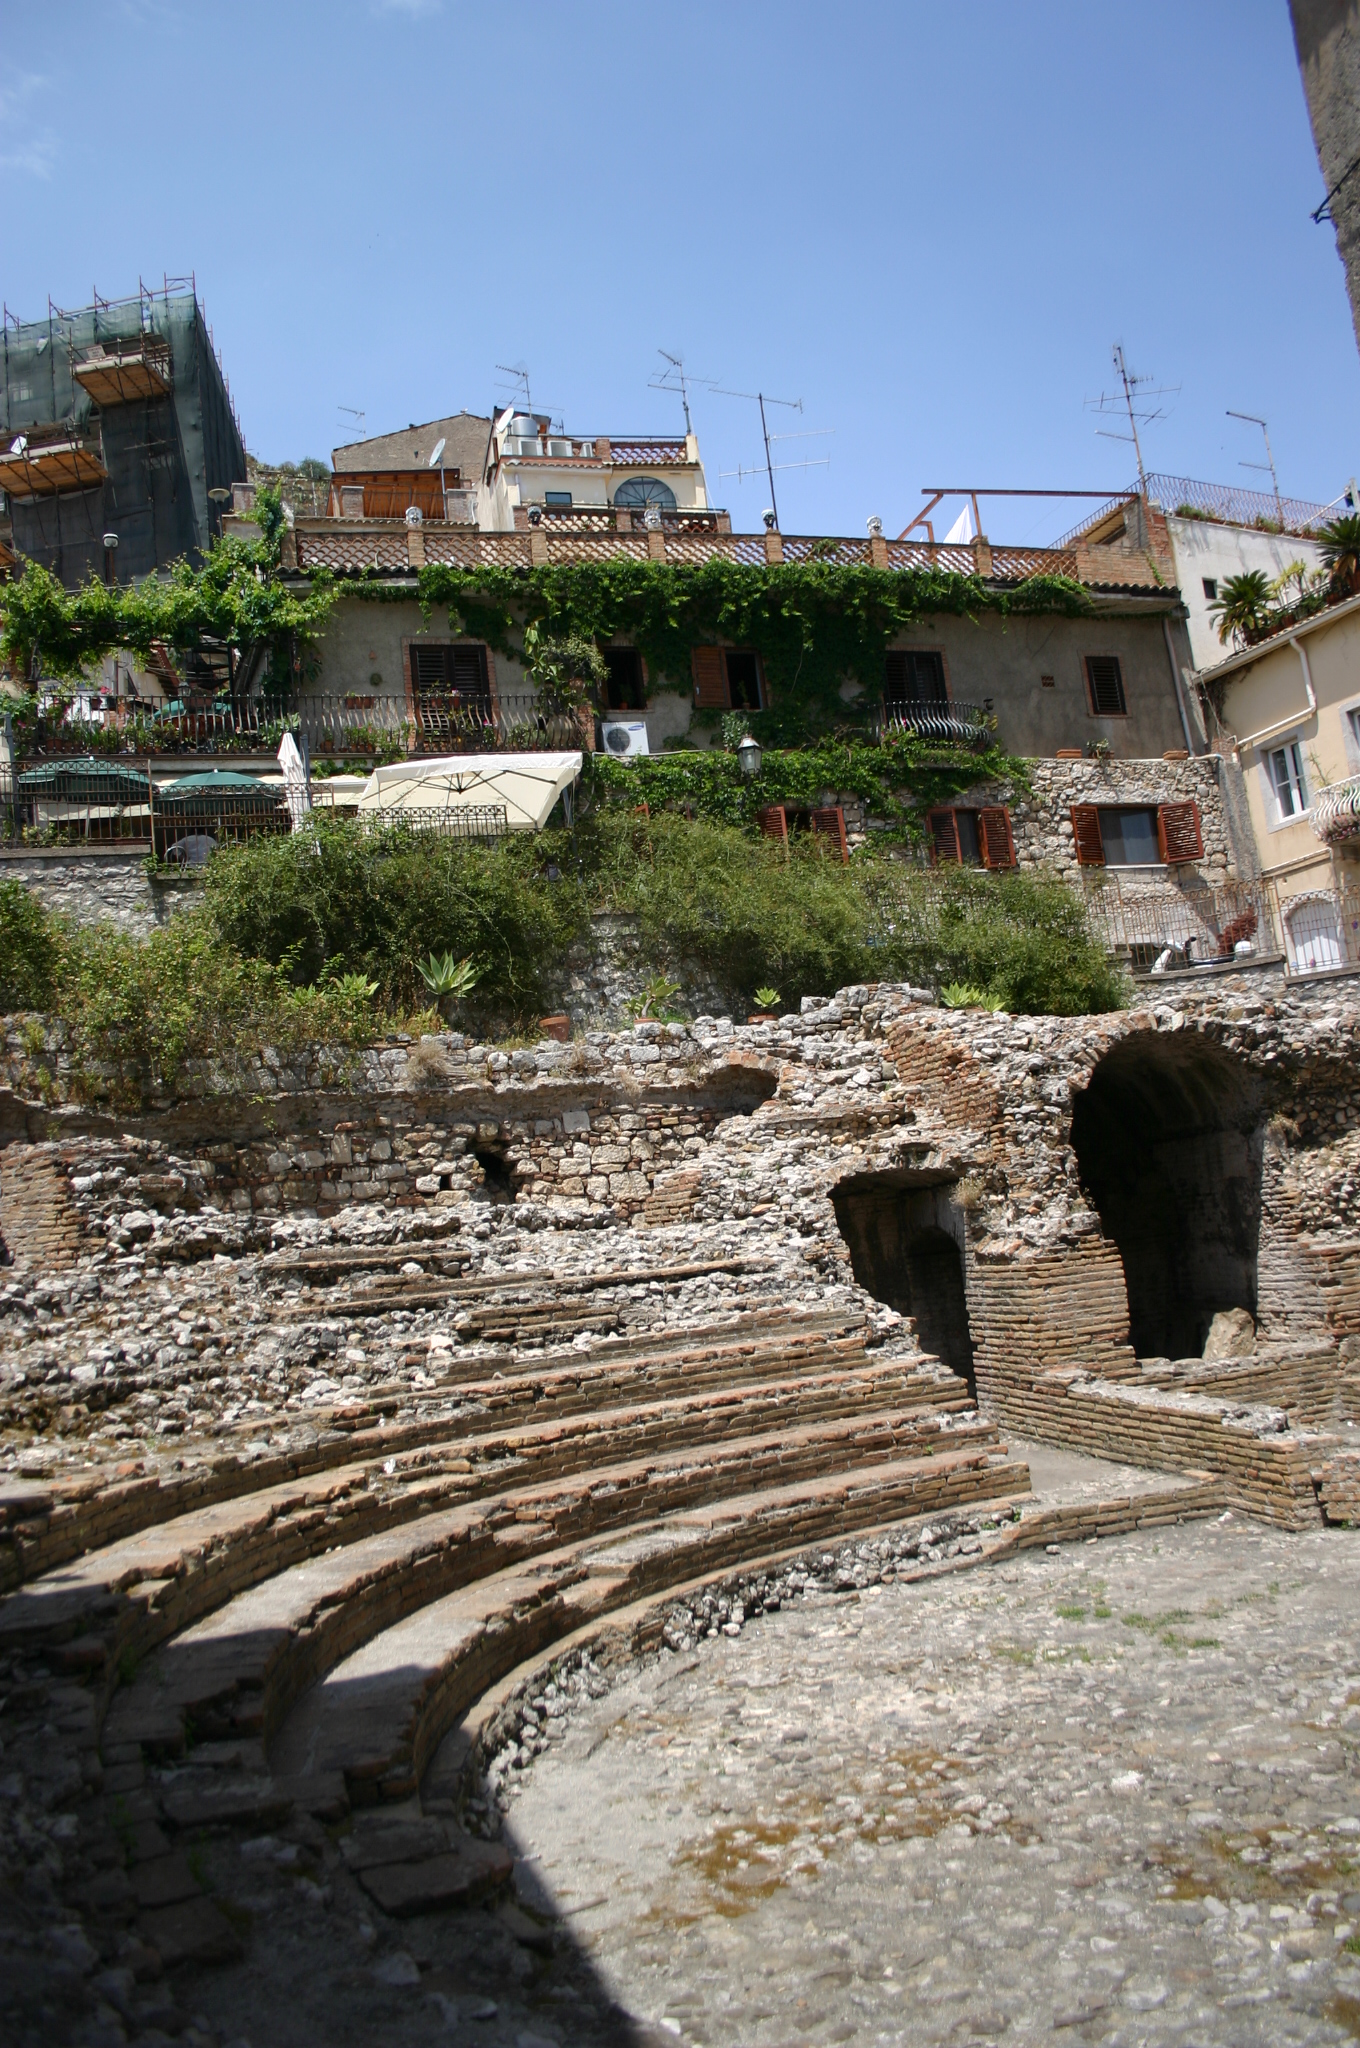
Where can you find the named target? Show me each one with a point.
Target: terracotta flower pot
(556, 1027)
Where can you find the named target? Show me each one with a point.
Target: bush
(30, 950)
(343, 900)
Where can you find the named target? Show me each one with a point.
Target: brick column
(774, 545)
(415, 546)
(538, 547)
(878, 551)
(982, 554)
(656, 544)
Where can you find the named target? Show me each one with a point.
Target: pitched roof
(465, 435)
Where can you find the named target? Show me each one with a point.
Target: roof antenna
(1112, 403)
(743, 470)
(675, 379)
(361, 418)
(1269, 463)
(519, 375)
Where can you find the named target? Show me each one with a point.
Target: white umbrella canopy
(526, 786)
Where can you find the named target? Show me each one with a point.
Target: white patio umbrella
(526, 786)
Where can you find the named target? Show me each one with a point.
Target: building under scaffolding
(116, 421)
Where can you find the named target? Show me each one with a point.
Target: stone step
(234, 1669)
(379, 1715)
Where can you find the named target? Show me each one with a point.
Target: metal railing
(1321, 930)
(1149, 915)
(353, 722)
(968, 724)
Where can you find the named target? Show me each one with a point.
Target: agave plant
(1244, 606)
(447, 979)
(767, 998)
(1341, 553)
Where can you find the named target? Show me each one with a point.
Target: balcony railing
(556, 519)
(1148, 916)
(966, 724)
(1336, 811)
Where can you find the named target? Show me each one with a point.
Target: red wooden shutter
(710, 679)
(828, 820)
(1178, 833)
(1086, 832)
(773, 823)
(944, 831)
(994, 837)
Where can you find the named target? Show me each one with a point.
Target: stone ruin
(356, 1415)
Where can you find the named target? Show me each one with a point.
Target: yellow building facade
(1288, 710)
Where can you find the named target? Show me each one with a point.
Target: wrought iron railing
(966, 724)
(1152, 919)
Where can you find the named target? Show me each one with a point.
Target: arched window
(645, 490)
(1314, 937)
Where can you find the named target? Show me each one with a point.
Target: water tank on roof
(523, 425)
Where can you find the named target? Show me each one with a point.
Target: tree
(1243, 607)
(1341, 554)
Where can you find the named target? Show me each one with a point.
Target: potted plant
(767, 1004)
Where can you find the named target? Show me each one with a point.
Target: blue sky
(929, 223)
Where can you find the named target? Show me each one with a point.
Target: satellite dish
(434, 459)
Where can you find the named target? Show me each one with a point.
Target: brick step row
(41, 1529)
(378, 1716)
(236, 1668)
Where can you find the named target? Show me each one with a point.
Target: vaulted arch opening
(1168, 1136)
(906, 1249)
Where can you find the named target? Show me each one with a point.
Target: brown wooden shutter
(994, 837)
(1178, 834)
(944, 831)
(773, 823)
(1086, 832)
(828, 821)
(710, 679)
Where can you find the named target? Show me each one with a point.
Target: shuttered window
(1179, 837)
(727, 678)
(1105, 682)
(1087, 836)
(448, 675)
(980, 838)
(914, 676)
(824, 821)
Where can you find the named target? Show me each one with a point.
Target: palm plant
(1341, 553)
(1243, 607)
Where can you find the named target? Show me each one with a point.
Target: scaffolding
(116, 428)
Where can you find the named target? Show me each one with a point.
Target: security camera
(769, 516)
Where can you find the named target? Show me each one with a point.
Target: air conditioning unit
(625, 738)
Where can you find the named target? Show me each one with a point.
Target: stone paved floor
(1105, 1795)
(1108, 1795)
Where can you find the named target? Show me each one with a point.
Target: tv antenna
(518, 375)
(1269, 464)
(1132, 407)
(743, 470)
(360, 417)
(676, 378)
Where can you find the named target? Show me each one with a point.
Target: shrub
(30, 950)
(343, 900)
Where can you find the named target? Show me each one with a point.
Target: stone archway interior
(1168, 1139)
(905, 1244)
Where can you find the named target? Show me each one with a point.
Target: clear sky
(929, 223)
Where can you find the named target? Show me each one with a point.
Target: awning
(85, 779)
(219, 792)
(525, 786)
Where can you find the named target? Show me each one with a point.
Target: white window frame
(1276, 819)
(1350, 734)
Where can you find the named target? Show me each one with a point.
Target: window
(728, 679)
(972, 838)
(1129, 836)
(557, 497)
(1313, 936)
(449, 680)
(1284, 772)
(1105, 681)
(1210, 586)
(1353, 736)
(641, 491)
(914, 676)
(626, 688)
(1136, 835)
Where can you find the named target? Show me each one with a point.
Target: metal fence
(1147, 917)
(967, 723)
(344, 723)
(1321, 930)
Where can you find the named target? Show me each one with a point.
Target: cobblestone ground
(1107, 1795)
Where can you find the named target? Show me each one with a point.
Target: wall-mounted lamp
(749, 757)
(110, 546)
